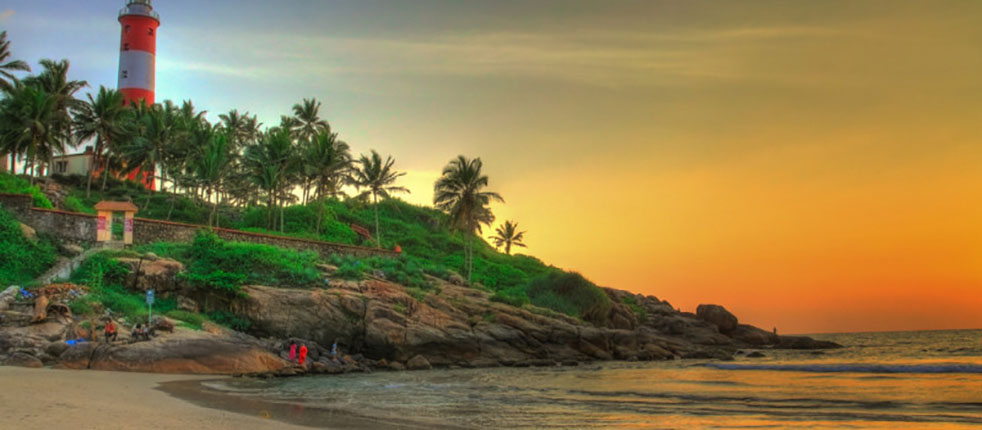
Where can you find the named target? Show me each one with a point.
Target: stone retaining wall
(77, 227)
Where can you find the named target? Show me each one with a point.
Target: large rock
(418, 363)
(28, 232)
(189, 352)
(159, 274)
(718, 316)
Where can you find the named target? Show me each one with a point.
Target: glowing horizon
(814, 167)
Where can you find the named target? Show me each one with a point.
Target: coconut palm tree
(508, 235)
(459, 193)
(28, 124)
(376, 177)
(211, 166)
(7, 79)
(268, 163)
(308, 122)
(326, 162)
(102, 119)
(154, 133)
(240, 128)
(54, 80)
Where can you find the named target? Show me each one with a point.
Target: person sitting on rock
(110, 331)
(138, 332)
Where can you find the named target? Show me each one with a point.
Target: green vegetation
(632, 303)
(235, 173)
(22, 259)
(106, 278)
(571, 294)
(10, 184)
(217, 266)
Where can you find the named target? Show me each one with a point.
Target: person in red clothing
(110, 331)
(303, 354)
(293, 352)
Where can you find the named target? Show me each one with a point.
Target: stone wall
(77, 227)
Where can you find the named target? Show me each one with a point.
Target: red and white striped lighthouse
(138, 51)
(137, 63)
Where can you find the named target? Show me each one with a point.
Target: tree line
(232, 162)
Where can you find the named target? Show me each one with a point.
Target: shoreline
(55, 398)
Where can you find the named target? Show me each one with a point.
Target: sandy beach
(47, 398)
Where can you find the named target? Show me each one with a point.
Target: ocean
(900, 380)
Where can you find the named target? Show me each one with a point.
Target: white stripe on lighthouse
(136, 70)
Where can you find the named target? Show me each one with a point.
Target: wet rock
(418, 363)
(756, 354)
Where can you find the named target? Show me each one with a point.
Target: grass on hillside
(22, 259)
(11, 184)
(429, 247)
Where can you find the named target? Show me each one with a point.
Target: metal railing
(138, 7)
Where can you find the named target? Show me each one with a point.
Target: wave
(855, 368)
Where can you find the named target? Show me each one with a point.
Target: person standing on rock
(303, 354)
(110, 331)
(293, 351)
(334, 349)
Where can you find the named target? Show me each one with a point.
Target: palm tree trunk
(378, 234)
(211, 213)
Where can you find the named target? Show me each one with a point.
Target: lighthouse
(137, 61)
(138, 51)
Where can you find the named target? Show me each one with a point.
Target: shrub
(632, 303)
(230, 320)
(22, 259)
(571, 294)
(514, 296)
(73, 204)
(192, 319)
(105, 278)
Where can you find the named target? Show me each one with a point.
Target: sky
(812, 166)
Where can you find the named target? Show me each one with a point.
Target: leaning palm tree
(459, 193)
(377, 177)
(507, 235)
(102, 119)
(308, 122)
(7, 79)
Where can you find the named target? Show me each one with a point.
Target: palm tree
(54, 80)
(240, 128)
(154, 134)
(459, 193)
(377, 177)
(308, 122)
(28, 124)
(7, 79)
(326, 163)
(211, 166)
(268, 164)
(102, 119)
(508, 235)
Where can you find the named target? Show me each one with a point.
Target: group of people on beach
(299, 355)
(140, 332)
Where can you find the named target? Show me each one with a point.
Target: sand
(53, 399)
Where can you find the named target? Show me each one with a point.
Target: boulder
(28, 232)
(55, 349)
(756, 354)
(753, 335)
(153, 274)
(418, 363)
(185, 303)
(72, 249)
(23, 359)
(804, 342)
(718, 316)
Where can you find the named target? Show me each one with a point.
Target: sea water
(926, 379)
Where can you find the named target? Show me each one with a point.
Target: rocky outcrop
(188, 352)
(718, 316)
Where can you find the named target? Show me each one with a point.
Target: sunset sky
(815, 166)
